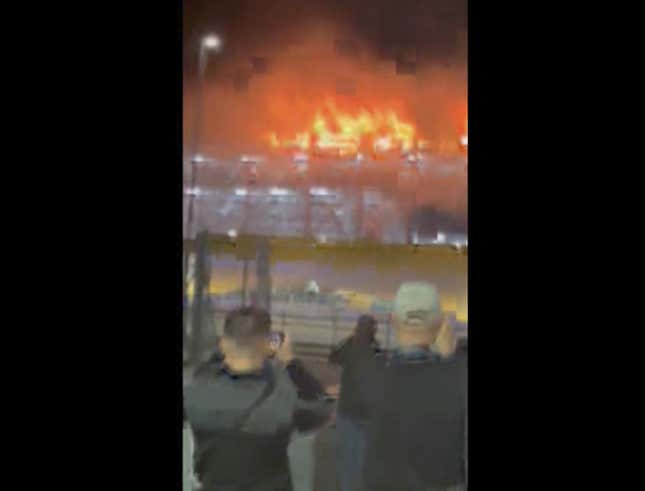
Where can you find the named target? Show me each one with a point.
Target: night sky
(433, 27)
(356, 51)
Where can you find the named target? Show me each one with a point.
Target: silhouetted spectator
(353, 411)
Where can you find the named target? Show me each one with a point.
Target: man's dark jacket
(242, 426)
(417, 433)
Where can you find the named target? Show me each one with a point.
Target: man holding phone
(242, 408)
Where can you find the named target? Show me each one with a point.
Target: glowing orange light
(343, 134)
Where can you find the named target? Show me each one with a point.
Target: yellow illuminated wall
(443, 266)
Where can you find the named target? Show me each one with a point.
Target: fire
(463, 140)
(342, 133)
(300, 142)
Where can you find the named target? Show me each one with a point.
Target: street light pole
(208, 43)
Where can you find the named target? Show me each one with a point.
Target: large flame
(340, 133)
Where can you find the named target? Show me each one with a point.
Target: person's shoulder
(295, 369)
(211, 370)
(462, 348)
(382, 356)
(339, 353)
(460, 357)
(295, 364)
(342, 345)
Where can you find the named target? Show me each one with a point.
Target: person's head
(418, 319)
(245, 343)
(366, 328)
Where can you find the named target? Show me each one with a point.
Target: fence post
(334, 320)
(307, 213)
(245, 275)
(215, 304)
(202, 277)
(189, 275)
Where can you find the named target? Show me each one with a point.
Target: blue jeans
(352, 440)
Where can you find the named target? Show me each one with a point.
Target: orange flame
(341, 133)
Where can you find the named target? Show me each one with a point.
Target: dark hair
(247, 322)
(366, 327)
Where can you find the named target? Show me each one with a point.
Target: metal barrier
(312, 328)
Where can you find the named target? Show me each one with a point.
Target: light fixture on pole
(211, 42)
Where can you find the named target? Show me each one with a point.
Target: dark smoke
(429, 220)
